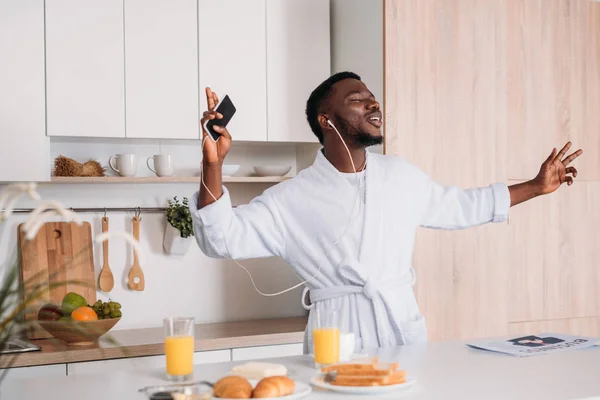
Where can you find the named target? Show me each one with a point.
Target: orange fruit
(84, 313)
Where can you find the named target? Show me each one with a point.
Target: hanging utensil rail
(102, 209)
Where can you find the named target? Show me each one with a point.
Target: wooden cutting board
(61, 252)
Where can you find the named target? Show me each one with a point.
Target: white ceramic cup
(346, 346)
(163, 164)
(126, 164)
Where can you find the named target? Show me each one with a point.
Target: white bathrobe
(300, 219)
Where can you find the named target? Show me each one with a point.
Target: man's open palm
(555, 170)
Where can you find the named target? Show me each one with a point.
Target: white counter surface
(443, 371)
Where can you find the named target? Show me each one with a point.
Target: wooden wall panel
(554, 82)
(574, 326)
(554, 255)
(459, 288)
(445, 80)
(479, 91)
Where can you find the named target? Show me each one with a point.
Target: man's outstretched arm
(450, 207)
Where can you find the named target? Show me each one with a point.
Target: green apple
(72, 301)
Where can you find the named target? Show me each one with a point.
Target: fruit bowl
(78, 333)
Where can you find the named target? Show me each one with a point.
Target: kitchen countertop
(447, 370)
(149, 342)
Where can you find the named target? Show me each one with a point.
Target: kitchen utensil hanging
(106, 281)
(136, 276)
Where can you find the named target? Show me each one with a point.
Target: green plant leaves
(179, 216)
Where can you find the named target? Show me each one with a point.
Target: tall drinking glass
(179, 348)
(326, 337)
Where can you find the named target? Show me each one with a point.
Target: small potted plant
(179, 227)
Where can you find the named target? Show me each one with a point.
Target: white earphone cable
(336, 242)
(358, 189)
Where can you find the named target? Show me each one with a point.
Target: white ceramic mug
(126, 164)
(163, 164)
(346, 346)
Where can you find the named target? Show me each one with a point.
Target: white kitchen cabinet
(24, 148)
(146, 363)
(260, 352)
(213, 356)
(232, 59)
(10, 384)
(85, 68)
(298, 60)
(161, 69)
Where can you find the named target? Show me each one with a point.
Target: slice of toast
(395, 378)
(379, 369)
(362, 364)
(372, 368)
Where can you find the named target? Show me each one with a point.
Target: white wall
(357, 42)
(210, 290)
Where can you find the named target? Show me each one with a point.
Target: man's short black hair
(319, 97)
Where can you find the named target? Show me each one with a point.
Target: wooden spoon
(106, 281)
(136, 276)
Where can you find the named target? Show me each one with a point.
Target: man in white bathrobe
(350, 235)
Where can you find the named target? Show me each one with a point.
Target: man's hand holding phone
(214, 151)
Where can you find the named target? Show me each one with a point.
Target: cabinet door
(24, 152)
(84, 68)
(255, 353)
(151, 362)
(233, 62)
(298, 60)
(161, 69)
(10, 386)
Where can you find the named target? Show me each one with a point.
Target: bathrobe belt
(371, 289)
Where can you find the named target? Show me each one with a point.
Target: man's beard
(356, 137)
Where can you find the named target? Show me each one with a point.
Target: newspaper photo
(533, 345)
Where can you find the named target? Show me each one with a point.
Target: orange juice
(180, 354)
(326, 345)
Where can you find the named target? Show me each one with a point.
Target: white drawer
(253, 353)
(15, 375)
(151, 362)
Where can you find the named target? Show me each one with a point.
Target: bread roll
(233, 387)
(274, 386)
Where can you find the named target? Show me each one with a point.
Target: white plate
(320, 383)
(301, 390)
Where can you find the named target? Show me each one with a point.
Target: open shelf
(170, 179)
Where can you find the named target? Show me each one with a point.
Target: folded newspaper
(533, 345)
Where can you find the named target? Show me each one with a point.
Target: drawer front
(253, 353)
(151, 362)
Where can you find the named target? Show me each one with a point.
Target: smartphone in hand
(226, 108)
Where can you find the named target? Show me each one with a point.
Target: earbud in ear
(330, 123)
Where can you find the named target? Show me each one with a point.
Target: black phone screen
(227, 109)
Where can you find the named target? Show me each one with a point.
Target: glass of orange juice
(326, 337)
(179, 348)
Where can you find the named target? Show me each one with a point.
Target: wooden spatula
(136, 276)
(106, 281)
